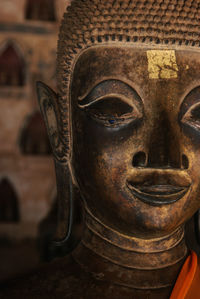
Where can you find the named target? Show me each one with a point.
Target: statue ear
(48, 104)
(70, 213)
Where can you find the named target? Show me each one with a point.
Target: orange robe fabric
(188, 283)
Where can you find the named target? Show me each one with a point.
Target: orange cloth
(188, 283)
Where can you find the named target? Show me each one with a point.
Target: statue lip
(157, 194)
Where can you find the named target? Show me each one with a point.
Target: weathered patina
(125, 133)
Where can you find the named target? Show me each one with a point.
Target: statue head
(125, 123)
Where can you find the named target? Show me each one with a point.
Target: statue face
(136, 136)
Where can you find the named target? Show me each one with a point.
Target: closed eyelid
(88, 103)
(108, 89)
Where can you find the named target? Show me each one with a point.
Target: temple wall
(13, 10)
(40, 54)
(25, 174)
(32, 176)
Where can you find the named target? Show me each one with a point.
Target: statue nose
(162, 149)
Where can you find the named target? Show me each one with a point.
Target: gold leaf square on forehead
(162, 64)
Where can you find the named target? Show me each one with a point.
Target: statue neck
(128, 261)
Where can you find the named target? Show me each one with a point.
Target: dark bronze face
(136, 136)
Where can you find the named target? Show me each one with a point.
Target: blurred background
(28, 41)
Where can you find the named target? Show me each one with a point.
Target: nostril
(185, 162)
(139, 159)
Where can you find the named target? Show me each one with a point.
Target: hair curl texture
(91, 22)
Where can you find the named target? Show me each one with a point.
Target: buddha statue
(124, 128)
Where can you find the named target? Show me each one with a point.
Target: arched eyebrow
(191, 98)
(108, 88)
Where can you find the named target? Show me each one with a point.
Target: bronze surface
(126, 126)
(125, 133)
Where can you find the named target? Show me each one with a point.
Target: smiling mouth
(157, 194)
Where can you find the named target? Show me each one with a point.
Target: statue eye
(192, 116)
(113, 112)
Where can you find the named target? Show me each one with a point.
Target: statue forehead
(137, 66)
(87, 23)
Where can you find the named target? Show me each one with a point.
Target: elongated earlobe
(70, 212)
(70, 215)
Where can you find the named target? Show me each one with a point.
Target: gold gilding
(162, 64)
